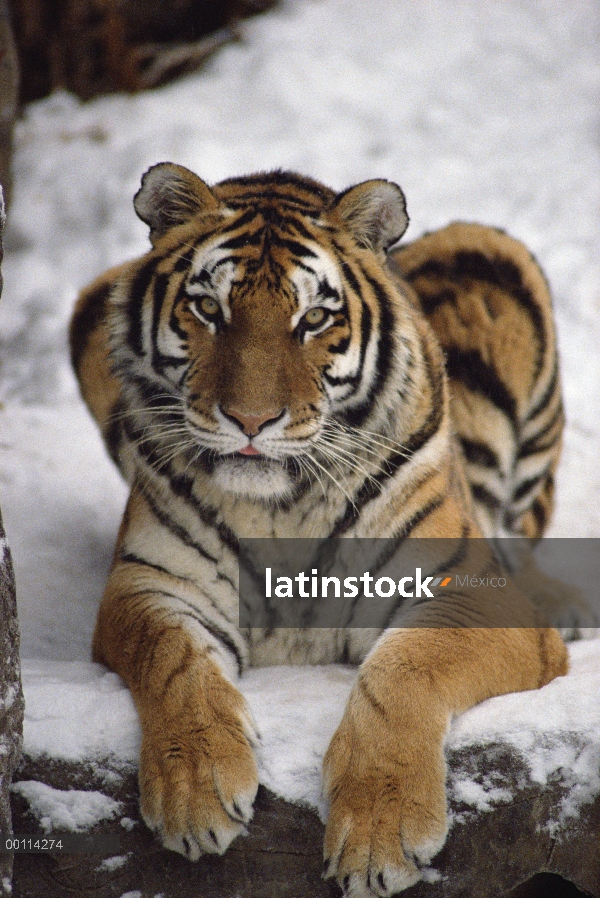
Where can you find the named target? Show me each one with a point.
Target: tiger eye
(314, 316)
(208, 306)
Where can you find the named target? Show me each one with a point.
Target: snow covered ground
(483, 112)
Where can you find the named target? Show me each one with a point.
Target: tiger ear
(171, 195)
(374, 212)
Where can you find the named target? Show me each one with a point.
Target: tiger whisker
(347, 440)
(125, 413)
(157, 432)
(305, 466)
(376, 438)
(321, 446)
(333, 479)
(194, 458)
(348, 459)
(165, 458)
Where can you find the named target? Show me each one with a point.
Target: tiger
(275, 366)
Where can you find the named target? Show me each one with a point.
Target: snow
(71, 811)
(483, 112)
(555, 730)
(110, 864)
(76, 711)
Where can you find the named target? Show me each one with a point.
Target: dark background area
(92, 47)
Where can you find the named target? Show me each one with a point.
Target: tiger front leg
(198, 775)
(384, 771)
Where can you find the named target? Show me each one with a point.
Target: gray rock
(11, 694)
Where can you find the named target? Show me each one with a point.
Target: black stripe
(242, 240)
(173, 527)
(375, 704)
(135, 304)
(433, 301)
(113, 434)
(213, 628)
(479, 453)
(326, 291)
(293, 246)
(239, 222)
(183, 487)
(547, 395)
(540, 514)
(442, 567)
(533, 444)
(340, 347)
(87, 318)
(132, 558)
(160, 361)
(480, 377)
(356, 415)
(186, 251)
(152, 394)
(187, 540)
(219, 634)
(297, 225)
(365, 335)
(385, 342)
(527, 485)
(267, 184)
(498, 272)
(200, 277)
(347, 272)
(159, 292)
(180, 302)
(422, 514)
(485, 497)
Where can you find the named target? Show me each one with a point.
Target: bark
(93, 47)
(9, 91)
(11, 694)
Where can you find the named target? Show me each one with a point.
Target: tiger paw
(386, 787)
(198, 775)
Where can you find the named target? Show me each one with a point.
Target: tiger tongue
(249, 450)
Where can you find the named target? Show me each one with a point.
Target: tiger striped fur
(268, 370)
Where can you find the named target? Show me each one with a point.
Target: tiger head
(265, 317)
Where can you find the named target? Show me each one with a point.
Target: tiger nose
(251, 425)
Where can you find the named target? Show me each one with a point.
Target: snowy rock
(523, 785)
(505, 829)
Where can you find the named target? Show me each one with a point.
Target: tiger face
(253, 331)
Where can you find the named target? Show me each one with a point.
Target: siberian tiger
(271, 368)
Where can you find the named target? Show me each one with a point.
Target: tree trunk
(11, 694)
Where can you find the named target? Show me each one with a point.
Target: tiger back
(490, 307)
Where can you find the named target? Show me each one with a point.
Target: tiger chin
(273, 366)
